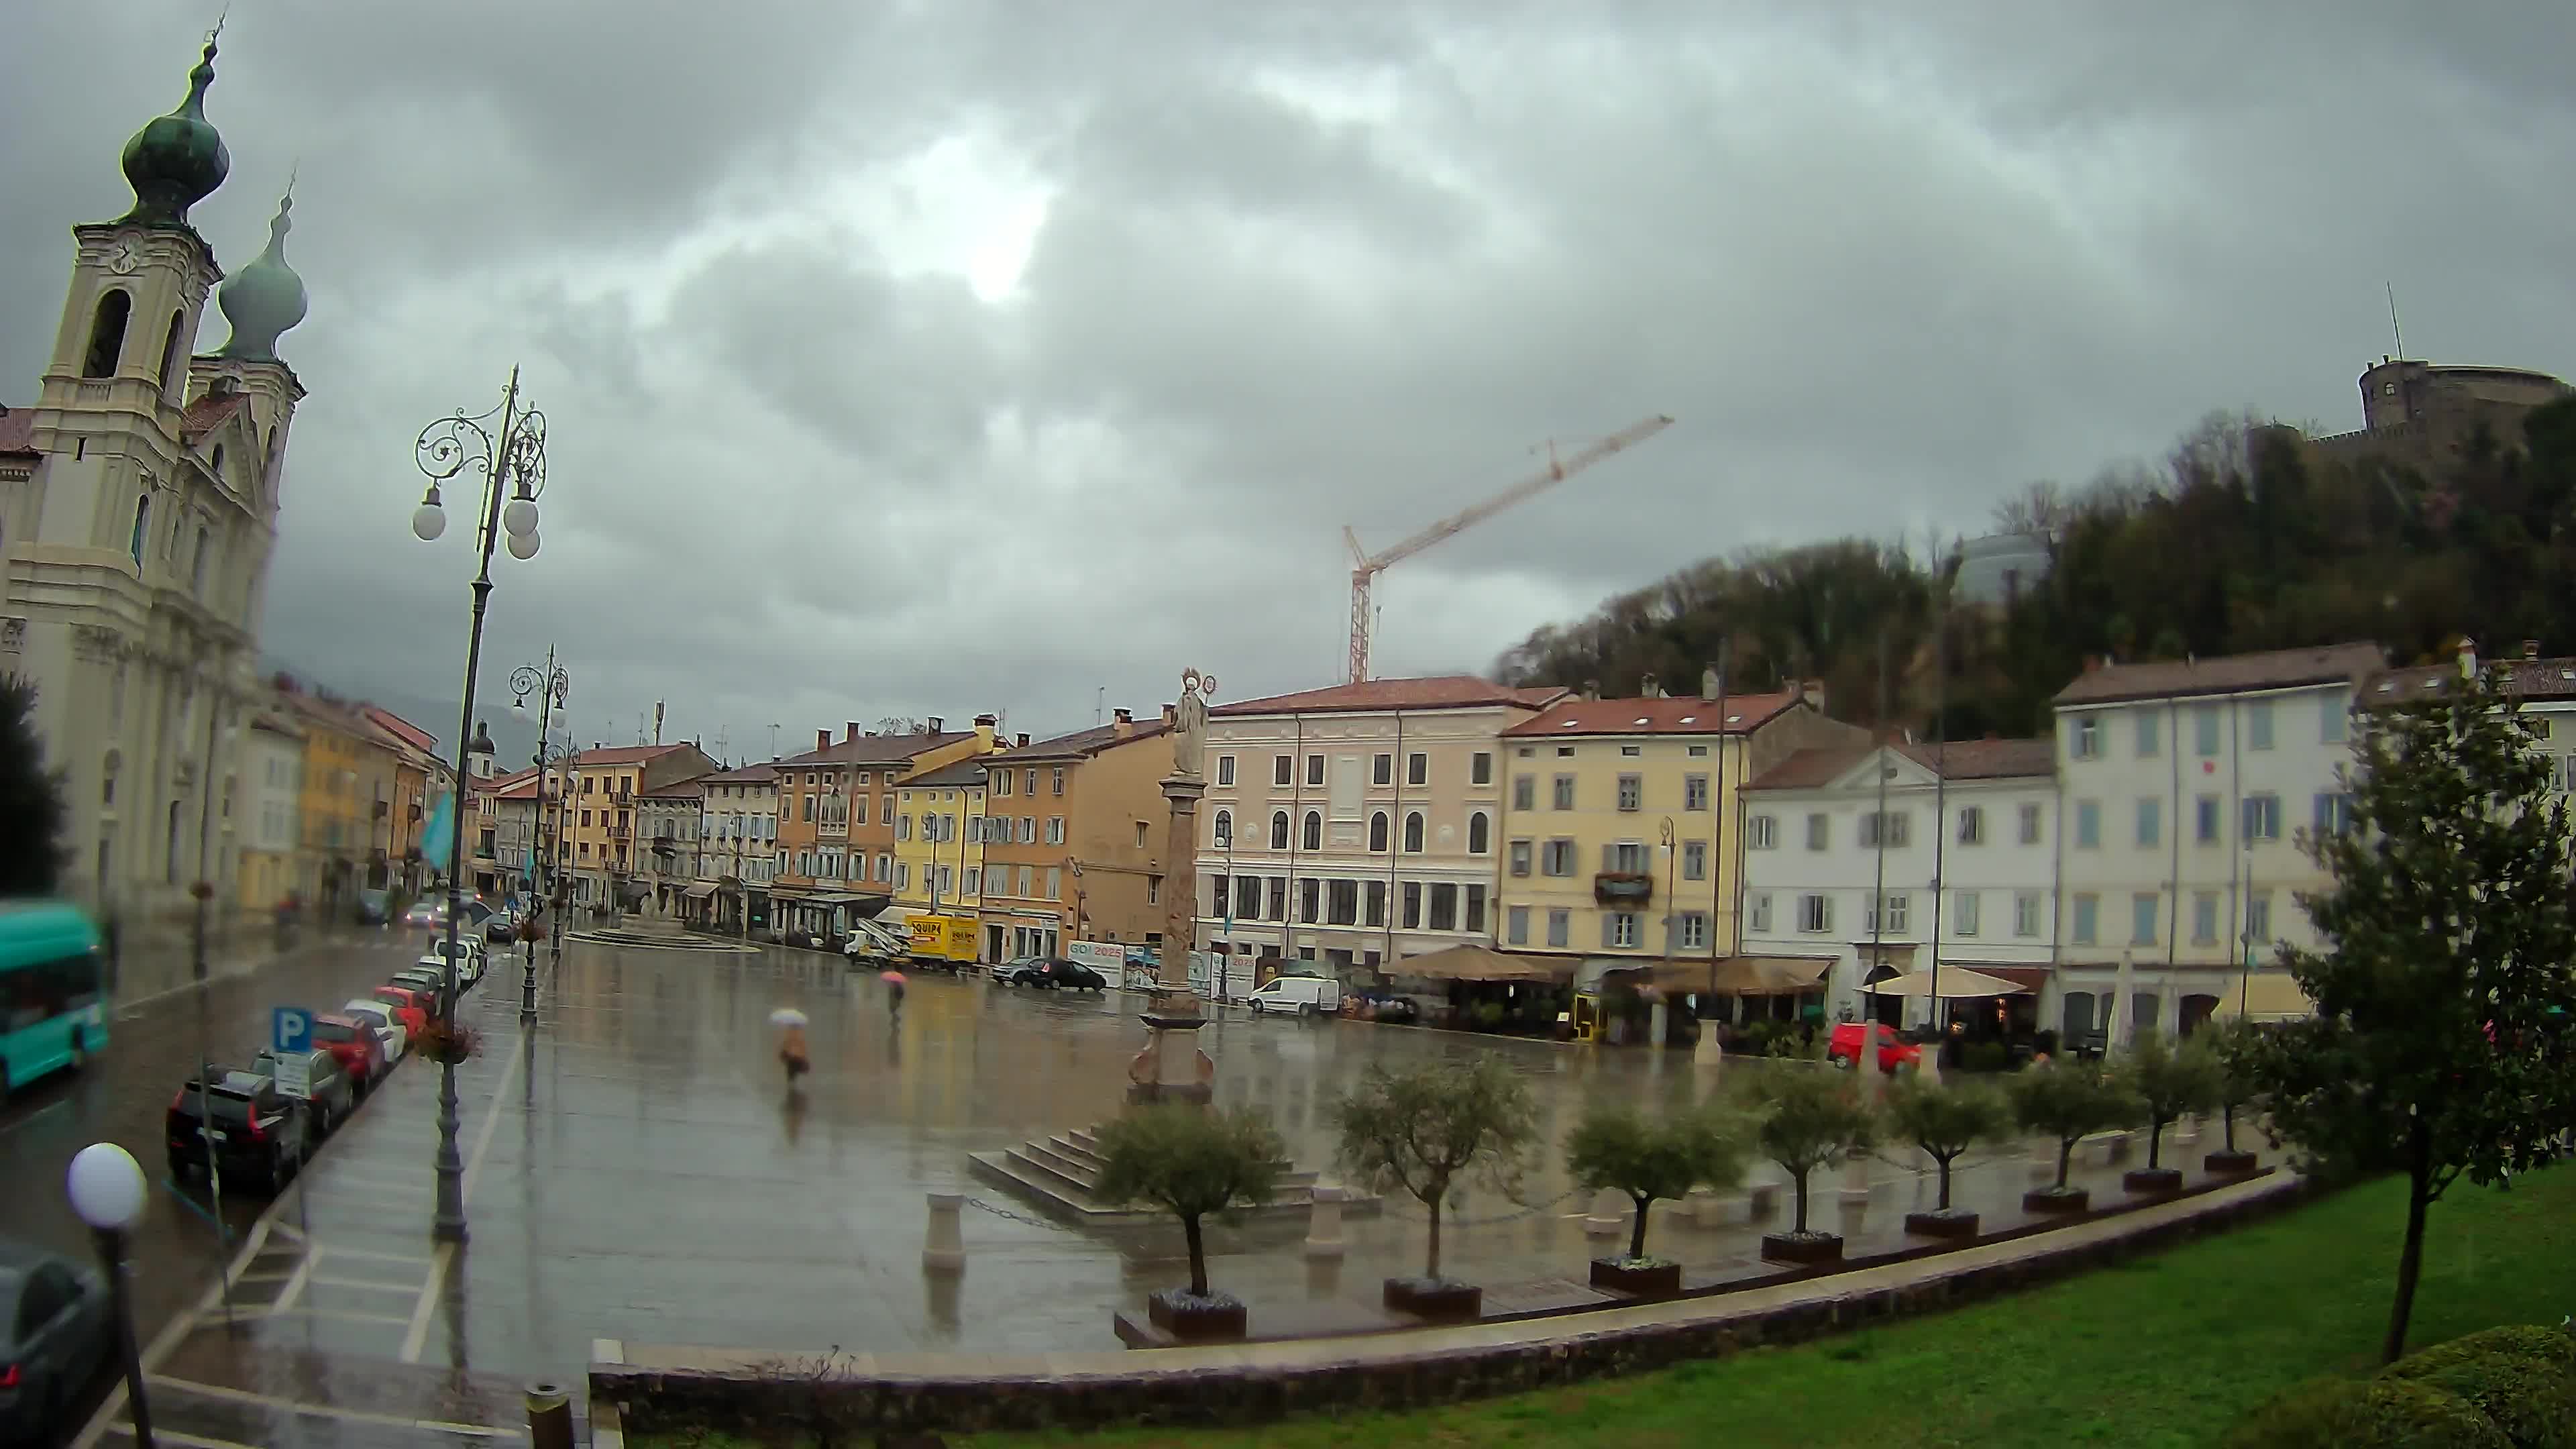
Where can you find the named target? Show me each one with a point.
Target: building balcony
(1623, 888)
(621, 832)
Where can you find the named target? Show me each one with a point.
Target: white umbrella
(787, 1016)
(2123, 994)
(1956, 982)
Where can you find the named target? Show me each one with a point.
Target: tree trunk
(2065, 1160)
(1198, 1254)
(2227, 1123)
(2410, 1258)
(1945, 1182)
(1800, 1184)
(1431, 1268)
(1637, 1234)
(2155, 1145)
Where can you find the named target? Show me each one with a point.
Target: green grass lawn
(2167, 1350)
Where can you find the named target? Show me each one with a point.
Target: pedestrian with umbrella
(791, 1043)
(894, 995)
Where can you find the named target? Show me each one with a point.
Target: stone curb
(1411, 1369)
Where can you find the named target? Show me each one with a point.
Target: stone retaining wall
(1418, 1369)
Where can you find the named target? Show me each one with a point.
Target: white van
(1303, 995)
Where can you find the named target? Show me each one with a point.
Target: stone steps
(1062, 1173)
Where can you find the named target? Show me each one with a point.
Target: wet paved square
(636, 1171)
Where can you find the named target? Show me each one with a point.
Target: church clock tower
(137, 547)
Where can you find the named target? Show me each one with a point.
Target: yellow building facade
(1619, 823)
(939, 839)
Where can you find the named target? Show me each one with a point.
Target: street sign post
(295, 1075)
(290, 1029)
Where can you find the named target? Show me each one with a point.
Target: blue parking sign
(290, 1030)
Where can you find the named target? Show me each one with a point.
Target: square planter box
(2229, 1164)
(2151, 1181)
(1954, 1223)
(1217, 1318)
(1439, 1298)
(1648, 1278)
(2051, 1201)
(1802, 1247)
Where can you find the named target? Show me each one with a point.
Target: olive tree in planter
(2235, 1043)
(2169, 1083)
(1812, 1117)
(1944, 1121)
(1422, 1130)
(2069, 1102)
(1648, 1158)
(1193, 1162)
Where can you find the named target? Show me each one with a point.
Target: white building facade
(1879, 859)
(2185, 785)
(1305, 828)
(737, 854)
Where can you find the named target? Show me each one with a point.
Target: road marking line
(327, 1411)
(428, 1300)
(294, 1285)
(32, 1116)
(351, 1315)
(181, 1324)
(322, 1282)
(336, 1251)
(436, 1285)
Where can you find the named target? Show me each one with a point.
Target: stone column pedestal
(944, 1250)
(1172, 1068)
(1609, 1214)
(1324, 1224)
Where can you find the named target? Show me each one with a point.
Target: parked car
(1842, 1047)
(424, 914)
(1057, 973)
(1394, 1010)
(375, 907)
(469, 961)
(1014, 972)
(1297, 995)
(56, 1331)
(329, 1096)
(430, 987)
(364, 1048)
(393, 1014)
(412, 1007)
(254, 1133)
(502, 928)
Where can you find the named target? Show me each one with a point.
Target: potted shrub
(1621, 1148)
(1192, 1162)
(2068, 1102)
(2168, 1082)
(1812, 1117)
(1944, 1121)
(1423, 1129)
(446, 1040)
(2234, 1043)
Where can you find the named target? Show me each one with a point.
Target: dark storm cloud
(1293, 267)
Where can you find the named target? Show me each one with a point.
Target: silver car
(54, 1334)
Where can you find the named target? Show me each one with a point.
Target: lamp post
(512, 463)
(106, 1187)
(551, 686)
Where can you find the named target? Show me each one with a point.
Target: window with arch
(107, 780)
(170, 349)
(1480, 833)
(142, 527)
(215, 465)
(1377, 831)
(1413, 832)
(1314, 831)
(197, 565)
(107, 333)
(1224, 828)
(1279, 830)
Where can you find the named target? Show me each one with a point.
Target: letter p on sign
(290, 1030)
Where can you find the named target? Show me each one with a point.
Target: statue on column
(1189, 722)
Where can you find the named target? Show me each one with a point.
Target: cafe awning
(1476, 963)
(1735, 975)
(1956, 982)
(702, 891)
(2265, 996)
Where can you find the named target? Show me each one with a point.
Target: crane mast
(1365, 567)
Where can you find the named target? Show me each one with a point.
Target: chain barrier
(1008, 1216)
(1531, 1210)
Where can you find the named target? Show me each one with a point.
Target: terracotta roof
(276, 724)
(1082, 744)
(1440, 691)
(1660, 715)
(2526, 679)
(18, 430)
(1965, 759)
(623, 754)
(210, 412)
(401, 729)
(875, 749)
(2227, 674)
(968, 773)
(694, 788)
(520, 789)
(748, 775)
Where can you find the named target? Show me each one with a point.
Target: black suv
(254, 1130)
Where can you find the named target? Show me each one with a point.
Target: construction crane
(1365, 567)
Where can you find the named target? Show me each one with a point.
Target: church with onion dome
(138, 510)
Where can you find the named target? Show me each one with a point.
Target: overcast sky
(936, 358)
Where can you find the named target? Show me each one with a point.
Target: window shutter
(1609, 859)
(2324, 814)
(1605, 928)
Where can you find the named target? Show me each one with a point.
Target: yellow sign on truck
(949, 940)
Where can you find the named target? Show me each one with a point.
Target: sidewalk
(150, 968)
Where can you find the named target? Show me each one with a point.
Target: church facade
(139, 497)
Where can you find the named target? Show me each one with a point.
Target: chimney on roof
(1171, 714)
(1122, 722)
(1812, 692)
(849, 730)
(2468, 657)
(1648, 687)
(1709, 683)
(2530, 648)
(934, 725)
(1021, 740)
(822, 739)
(1591, 689)
(987, 719)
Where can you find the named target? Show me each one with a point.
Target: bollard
(1855, 1188)
(2186, 1134)
(549, 1416)
(1609, 1214)
(944, 1251)
(1712, 1209)
(1324, 1223)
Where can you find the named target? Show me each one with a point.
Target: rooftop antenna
(2394, 330)
(1099, 706)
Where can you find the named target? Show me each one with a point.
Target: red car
(357, 1048)
(1843, 1047)
(410, 1007)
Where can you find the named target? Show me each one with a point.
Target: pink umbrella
(891, 978)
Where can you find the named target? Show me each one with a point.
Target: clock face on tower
(127, 256)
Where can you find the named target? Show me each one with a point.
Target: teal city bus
(53, 1012)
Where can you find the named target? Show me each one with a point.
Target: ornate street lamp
(106, 1187)
(507, 446)
(551, 686)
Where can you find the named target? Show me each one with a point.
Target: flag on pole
(439, 835)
